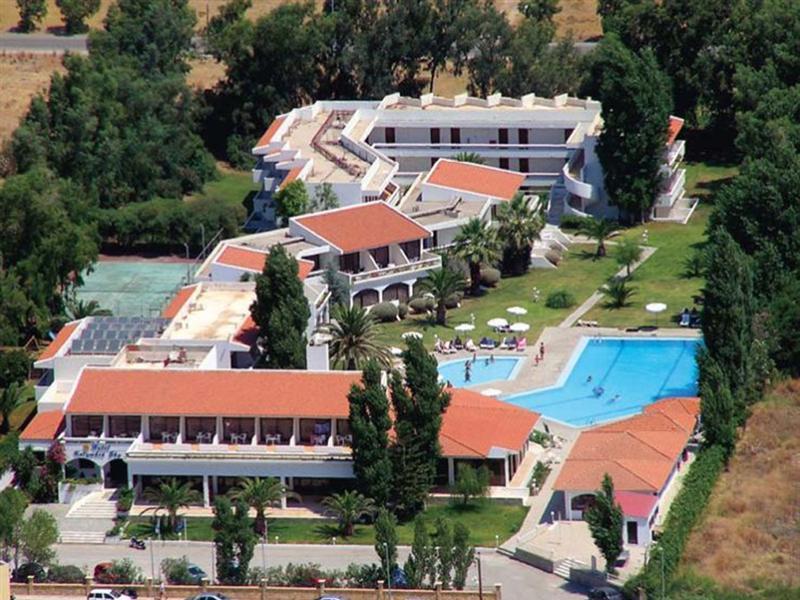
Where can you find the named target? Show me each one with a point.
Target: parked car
(22, 572)
(196, 573)
(605, 593)
(209, 596)
(106, 594)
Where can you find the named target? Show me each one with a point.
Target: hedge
(402, 310)
(421, 305)
(384, 312)
(684, 513)
(572, 221)
(560, 299)
(490, 276)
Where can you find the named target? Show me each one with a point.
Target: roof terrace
(216, 313)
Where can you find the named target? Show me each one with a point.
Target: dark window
(349, 263)
(504, 163)
(279, 430)
(87, 425)
(494, 212)
(503, 135)
(524, 165)
(390, 135)
(567, 133)
(523, 136)
(124, 426)
(455, 135)
(633, 532)
(435, 239)
(344, 435)
(163, 428)
(435, 135)
(411, 249)
(433, 160)
(314, 259)
(314, 432)
(238, 430)
(207, 426)
(380, 255)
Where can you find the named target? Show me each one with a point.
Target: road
(45, 43)
(520, 581)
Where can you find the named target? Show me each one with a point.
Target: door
(390, 135)
(455, 135)
(524, 165)
(435, 135)
(633, 532)
(503, 135)
(504, 163)
(523, 136)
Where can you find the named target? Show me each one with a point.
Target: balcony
(673, 189)
(427, 260)
(676, 152)
(573, 175)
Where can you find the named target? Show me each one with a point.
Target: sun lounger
(487, 344)
(522, 344)
(469, 346)
(686, 319)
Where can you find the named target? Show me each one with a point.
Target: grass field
(484, 519)
(577, 273)
(749, 540)
(233, 187)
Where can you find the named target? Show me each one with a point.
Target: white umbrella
(410, 334)
(491, 392)
(396, 351)
(464, 327)
(498, 322)
(656, 308)
(519, 327)
(517, 310)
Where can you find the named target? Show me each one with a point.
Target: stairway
(558, 195)
(82, 537)
(97, 505)
(562, 567)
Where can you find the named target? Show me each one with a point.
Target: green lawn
(485, 520)
(703, 179)
(233, 187)
(577, 273)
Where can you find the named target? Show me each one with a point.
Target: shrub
(65, 574)
(553, 257)
(421, 305)
(490, 276)
(124, 571)
(176, 571)
(540, 473)
(124, 499)
(572, 221)
(453, 300)
(402, 310)
(471, 483)
(541, 438)
(31, 569)
(560, 299)
(384, 312)
(686, 510)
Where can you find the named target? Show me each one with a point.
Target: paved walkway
(42, 43)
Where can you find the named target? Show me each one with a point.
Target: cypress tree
(281, 312)
(370, 424)
(605, 523)
(717, 405)
(463, 555)
(386, 540)
(417, 565)
(443, 540)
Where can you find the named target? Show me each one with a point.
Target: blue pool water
(631, 372)
(482, 371)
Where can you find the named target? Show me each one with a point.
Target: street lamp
(388, 574)
(480, 575)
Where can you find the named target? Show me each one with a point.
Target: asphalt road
(520, 581)
(42, 43)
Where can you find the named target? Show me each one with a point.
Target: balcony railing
(676, 152)
(427, 260)
(572, 178)
(673, 190)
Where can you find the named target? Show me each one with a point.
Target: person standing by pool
(541, 350)
(467, 371)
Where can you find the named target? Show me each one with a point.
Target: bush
(553, 257)
(384, 312)
(490, 276)
(560, 299)
(540, 473)
(421, 305)
(686, 510)
(124, 571)
(573, 221)
(402, 310)
(541, 438)
(176, 571)
(453, 300)
(65, 574)
(125, 499)
(34, 570)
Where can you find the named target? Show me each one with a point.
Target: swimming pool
(609, 378)
(482, 371)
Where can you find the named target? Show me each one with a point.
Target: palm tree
(348, 507)
(10, 399)
(171, 496)
(476, 244)
(78, 309)
(441, 284)
(520, 226)
(260, 493)
(599, 230)
(354, 340)
(617, 292)
(627, 254)
(470, 157)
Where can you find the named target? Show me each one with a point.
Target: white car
(106, 594)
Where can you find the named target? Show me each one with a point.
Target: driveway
(519, 581)
(42, 43)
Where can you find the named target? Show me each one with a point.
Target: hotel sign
(98, 451)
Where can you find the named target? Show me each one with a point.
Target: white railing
(427, 261)
(676, 152)
(674, 189)
(572, 178)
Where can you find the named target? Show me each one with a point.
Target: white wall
(334, 469)
(228, 273)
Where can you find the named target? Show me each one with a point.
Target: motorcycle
(137, 543)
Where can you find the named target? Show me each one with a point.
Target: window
(455, 135)
(315, 432)
(504, 163)
(238, 430)
(124, 426)
(523, 136)
(349, 263)
(524, 165)
(200, 429)
(411, 249)
(380, 255)
(390, 135)
(503, 135)
(164, 428)
(435, 135)
(314, 259)
(87, 425)
(567, 133)
(277, 431)
(633, 532)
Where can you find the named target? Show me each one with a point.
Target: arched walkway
(82, 468)
(365, 298)
(396, 291)
(115, 473)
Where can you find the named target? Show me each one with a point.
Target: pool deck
(559, 344)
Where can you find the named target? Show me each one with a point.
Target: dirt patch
(750, 538)
(23, 76)
(205, 73)
(579, 18)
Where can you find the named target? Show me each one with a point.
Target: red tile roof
(266, 138)
(474, 424)
(673, 129)
(636, 505)
(247, 334)
(291, 176)
(61, 338)
(639, 452)
(250, 259)
(181, 298)
(210, 393)
(44, 426)
(363, 226)
(478, 179)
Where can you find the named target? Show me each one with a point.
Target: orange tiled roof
(639, 452)
(61, 338)
(673, 129)
(181, 298)
(363, 226)
(44, 426)
(291, 176)
(232, 393)
(254, 260)
(266, 138)
(478, 179)
(247, 334)
(474, 424)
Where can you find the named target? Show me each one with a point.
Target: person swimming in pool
(589, 379)
(615, 398)
(598, 391)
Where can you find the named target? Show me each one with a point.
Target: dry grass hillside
(22, 76)
(750, 537)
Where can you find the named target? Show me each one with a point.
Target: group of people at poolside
(538, 357)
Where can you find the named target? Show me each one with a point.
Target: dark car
(25, 570)
(605, 593)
